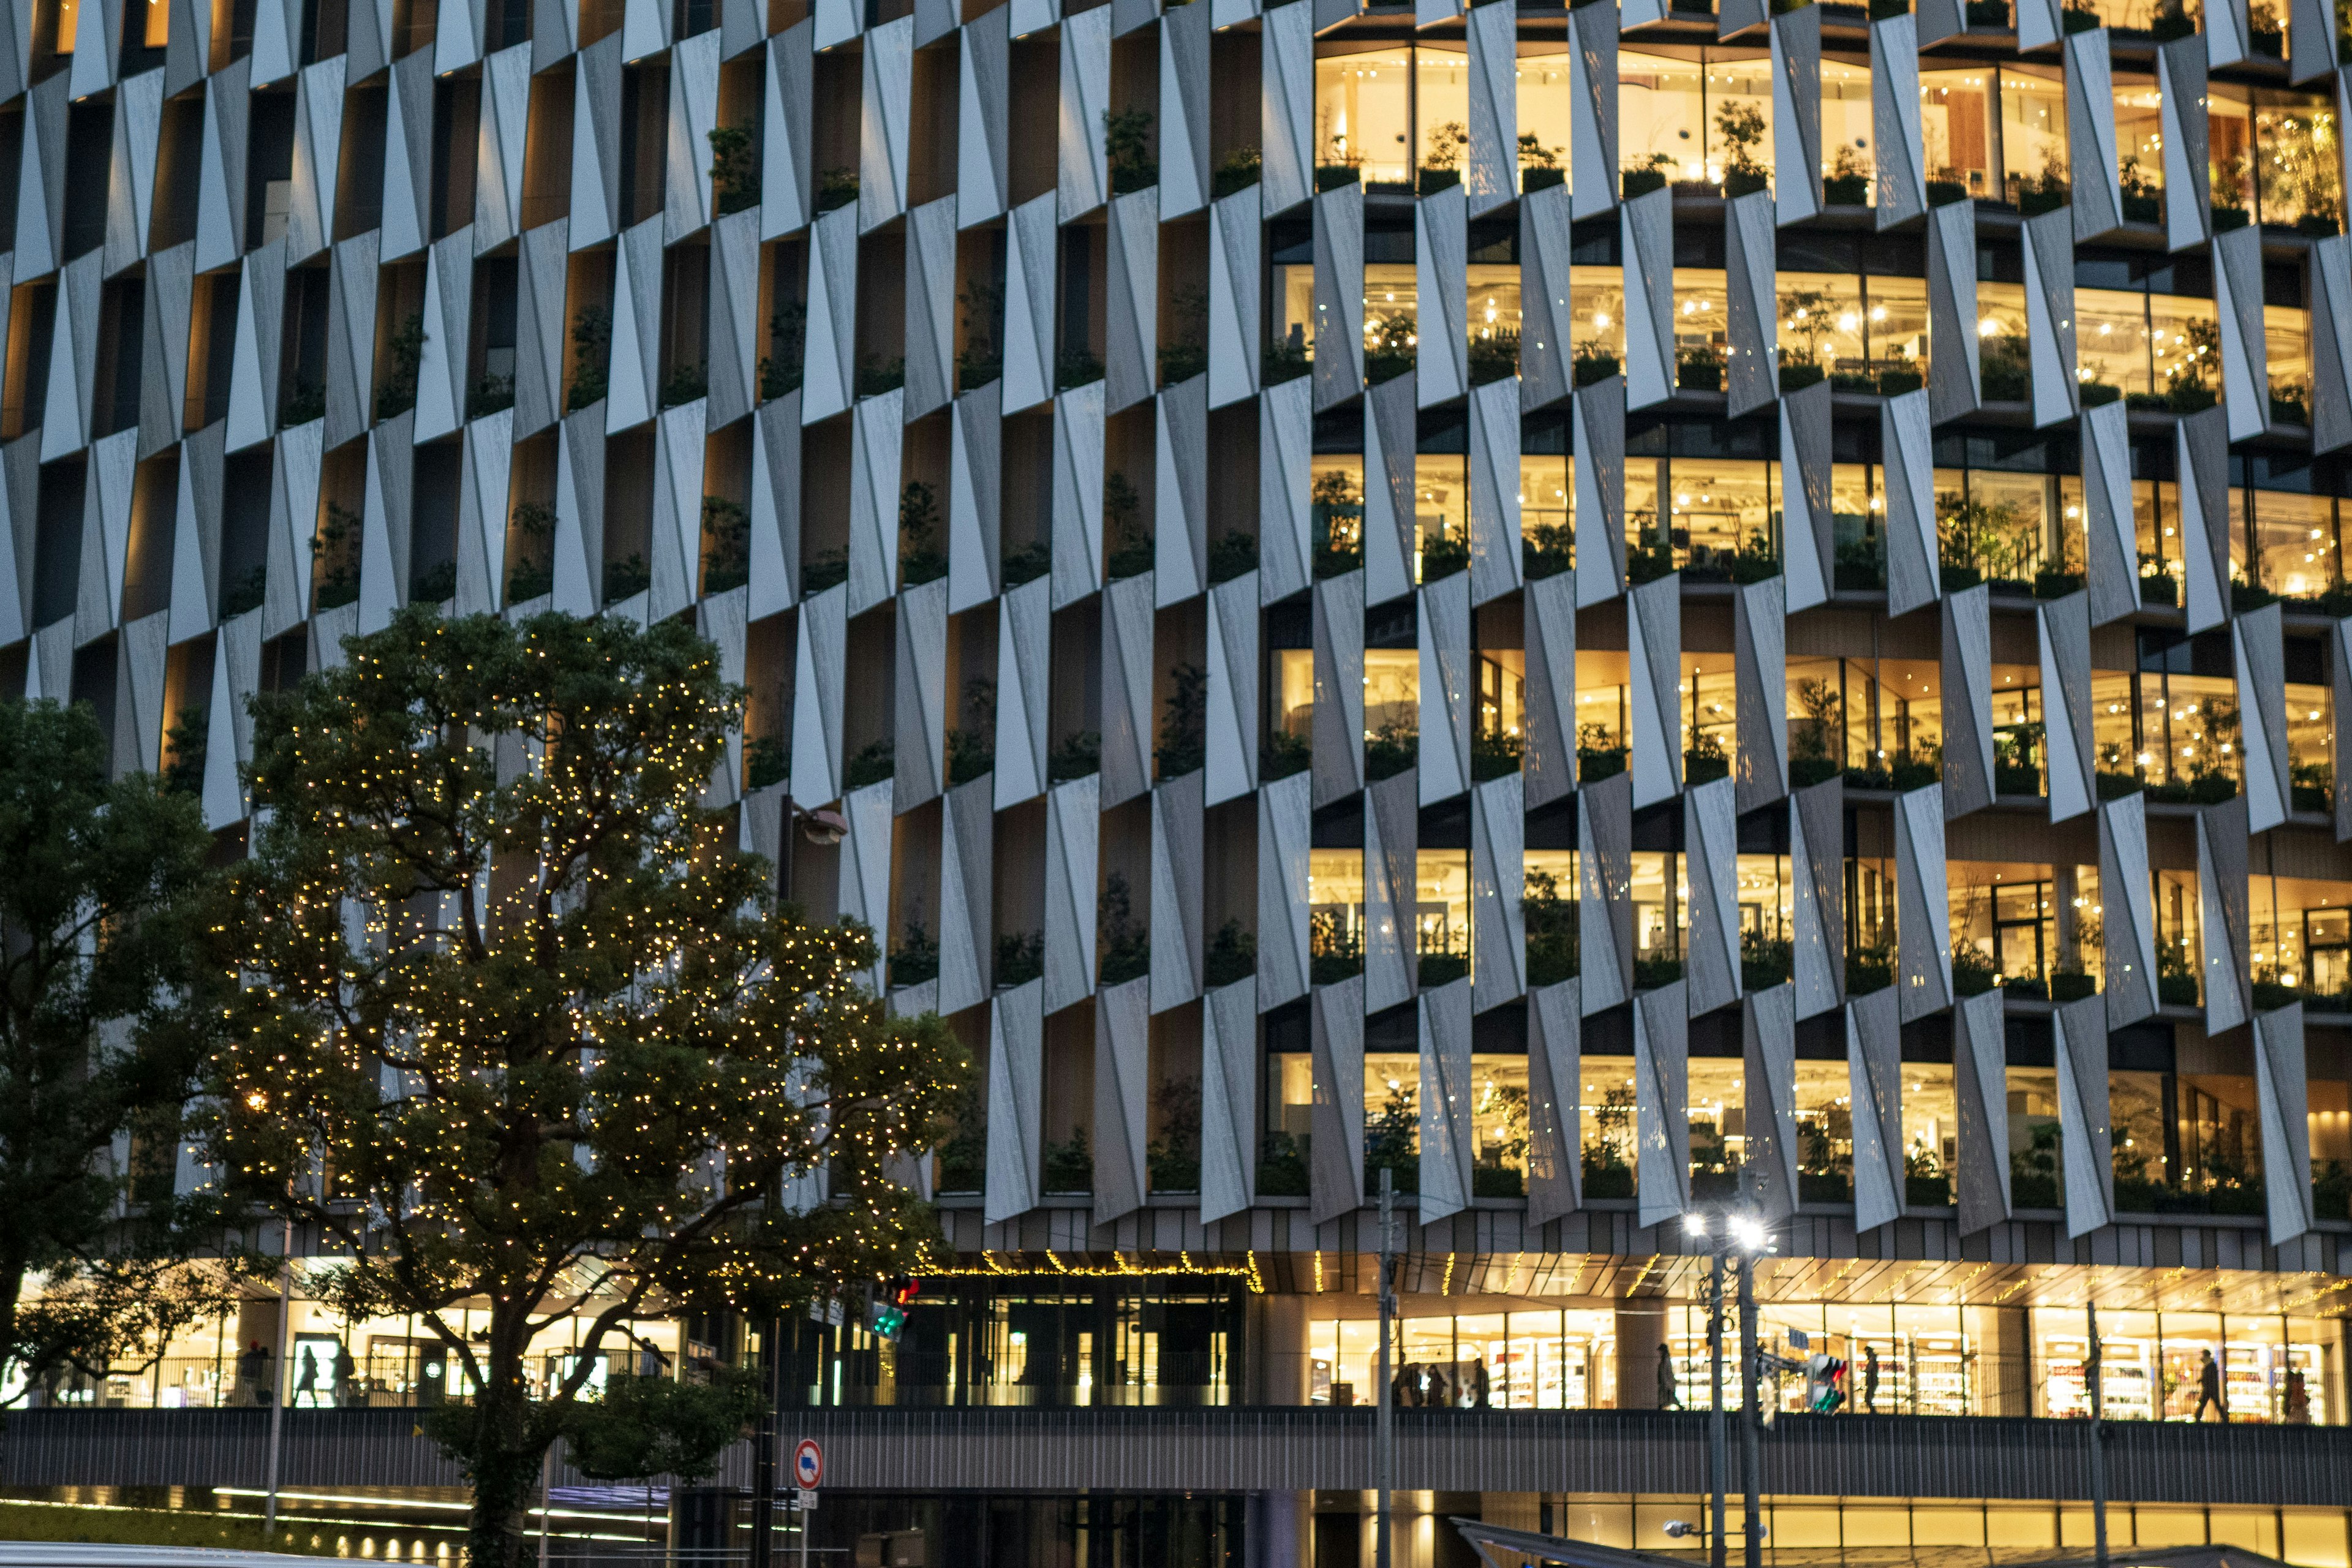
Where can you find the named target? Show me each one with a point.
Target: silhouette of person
(1669, 1395)
(1870, 1378)
(2209, 1388)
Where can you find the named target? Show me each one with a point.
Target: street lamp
(1744, 1237)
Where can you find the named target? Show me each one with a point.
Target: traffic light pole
(2098, 1448)
(763, 1459)
(1718, 1547)
(1752, 1455)
(1385, 1431)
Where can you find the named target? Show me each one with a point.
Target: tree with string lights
(522, 1037)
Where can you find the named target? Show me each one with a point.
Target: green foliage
(591, 351)
(184, 744)
(303, 402)
(1232, 956)
(1337, 506)
(1184, 722)
(734, 168)
(836, 188)
(626, 577)
(1077, 756)
(1444, 555)
(1076, 367)
(686, 383)
(982, 358)
(405, 357)
(1392, 347)
(1027, 563)
(1186, 352)
(1740, 125)
(972, 747)
(1231, 554)
(335, 558)
(916, 959)
(1550, 921)
(490, 394)
(1391, 749)
(826, 569)
(877, 761)
(1334, 948)
(1069, 1164)
(726, 544)
(1020, 958)
(1242, 167)
(1392, 1139)
(1173, 1158)
(1127, 139)
(782, 368)
(531, 552)
(920, 558)
(876, 375)
(1122, 942)
(646, 1427)
(766, 761)
(1131, 550)
(1285, 753)
(1546, 549)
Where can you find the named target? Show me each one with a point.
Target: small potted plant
(1847, 184)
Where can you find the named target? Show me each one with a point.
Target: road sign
(808, 1500)
(808, 1464)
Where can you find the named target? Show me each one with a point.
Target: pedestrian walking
(252, 1372)
(1669, 1398)
(2209, 1389)
(347, 1377)
(1870, 1378)
(306, 1382)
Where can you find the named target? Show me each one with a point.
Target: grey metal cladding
(1490, 169)
(1546, 322)
(2038, 25)
(1023, 689)
(317, 160)
(1446, 1092)
(1391, 861)
(921, 714)
(140, 658)
(1548, 764)
(1737, 15)
(1391, 436)
(1336, 1182)
(1339, 719)
(1498, 956)
(2221, 912)
(163, 349)
(1229, 1097)
(105, 536)
(1448, 688)
(93, 65)
(41, 181)
(1183, 111)
(596, 216)
(487, 482)
(1817, 889)
(1592, 109)
(229, 750)
(1555, 1077)
(1085, 157)
(2108, 526)
(2187, 136)
(1231, 749)
(1177, 850)
(579, 567)
(1899, 155)
(2331, 343)
(407, 158)
(1767, 1028)
(1029, 258)
(774, 566)
(1711, 861)
(1441, 224)
(1648, 232)
(131, 168)
(975, 498)
(2202, 459)
(542, 334)
(1968, 701)
(500, 145)
(73, 357)
(1913, 570)
(1980, 1081)
(1922, 905)
(2225, 35)
(2050, 315)
(876, 470)
(2339, 671)
(1760, 633)
(819, 668)
(386, 527)
(2259, 654)
(1073, 861)
(187, 50)
(1338, 372)
(731, 356)
(2245, 358)
(1132, 316)
(2310, 39)
(1079, 459)
(635, 372)
(885, 118)
(1122, 1100)
(1955, 374)
(1797, 113)
(1284, 818)
(1180, 486)
(1605, 881)
(1016, 1101)
(2063, 631)
(1808, 527)
(2086, 1141)
(931, 307)
(1496, 563)
(787, 136)
(554, 33)
(1127, 682)
(1596, 436)
(1751, 311)
(2282, 1091)
(2096, 192)
(1235, 241)
(1661, 1103)
(1874, 1039)
(1653, 640)
(448, 318)
(1286, 107)
(1286, 436)
(2127, 911)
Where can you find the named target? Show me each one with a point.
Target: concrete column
(1280, 1369)
(2004, 1361)
(1277, 1530)
(1641, 1330)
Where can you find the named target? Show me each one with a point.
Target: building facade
(1601, 613)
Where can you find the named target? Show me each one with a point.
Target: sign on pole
(808, 1465)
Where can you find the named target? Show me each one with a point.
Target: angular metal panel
(1029, 261)
(1498, 958)
(384, 522)
(2063, 627)
(930, 329)
(1555, 1089)
(1183, 111)
(1547, 320)
(731, 353)
(407, 161)
(1592, 109)
(449, 321)
(1073, 860)
(487, 480)
(163, 355)
(595, 213)
(2245, 351)
(1604, 891)
(1495, 559)
(1711, 862)
(2202, 459)
(140, 658)
(877, 465)
(1285, 441)
(1768, 1065)
(1338, 372)
(1391, 434)
(1661, 1104)
(1446, 1093)
(635, 369)
(2331, 343)
(2225, 34)
(499, 149)
(1490, 168)
(775, 550)
(1338, 738)
(2050, 316)
(2258, 649)
(1286, 107)
(580, 512)
(105, 533)
(1653, 640)
(73, 357)
(1874, 1046)
(2093, 185)
(1968, 701)
(1751, 315)
(1336, 1120)
(975, 499)
(255, 359)
(1083, 152)
(131, 168)
(920, 713)
(1391, 892)
(1180, 485)
(788, 137)
(1921, 904)
(1899, 157)
(220, 175)
(1797, 114)
(2038, 24)
(1980, 1084)
(1647, 231)
(2282, 1092)
(1016, 1101)
(41, 181)
(1177, 858)
(1122, 1100)
(2128, 919)
(1131, 311)
(2187, 139)
(1284, 818)
(819, 668)
(2310, 39)
(1447, 687)
(2086, 1138)
(1235, 241)
(1023, 688)
(866, 856)
(2111, 539)
(675, 547)
(1954, 372)
(1548, 763)
(1914, 574)
(1808, 524)
(2221, 928)
(1760, 679)
(831, 346)
(555, 32)
(687, 205)
(1079, 455)
(1597, 437)
(1229, 1100)
(1127, 677)
(1233, 689)
(541, 333)
(2339, 670)
(1441, 232)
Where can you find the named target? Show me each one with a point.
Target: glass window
(1601, 704)
(1739, 124)
(1547, 498)
(1930, 1133)
(1597, 310)
(1549, 910)
(1499, 1125)
(1545, 73)
(2296, 178)
(1392, 312)
(1335, 497)
(1441, 514)
(1954, 127)
(1661, 916)
(1393, 1120)
(2016, 730)
(1605, 1123)
(1364, 112)
(1846, 131)
(2286, 333)
(1442, 77)
(1442, 914)
(2003, 355)
(2229, 110)
(1894, 328)
(1494, 321)
(2184, 350)
(2037, 1174)
(1719, 1133)
(2032, 133)
(2143, 1168)
(1335, 913)
(1659, 104)
(2294, 543)
(2310, 747)
(1820, 320)
(1282, 1160)
(1699, 328)
(1709, 698)
(1392, 697)
(2219, 1137)
(2139, 144)
(2111, 339)
(1724, 517)
(1294, 310)
(1767, 906)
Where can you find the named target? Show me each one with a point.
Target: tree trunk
(509, 1448)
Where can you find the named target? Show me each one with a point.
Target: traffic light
(1824, 1378)
(885, 1315)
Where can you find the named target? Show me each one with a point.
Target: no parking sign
(808, 1464)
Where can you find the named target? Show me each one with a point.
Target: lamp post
(1384, 1460)
(1743, 1238)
